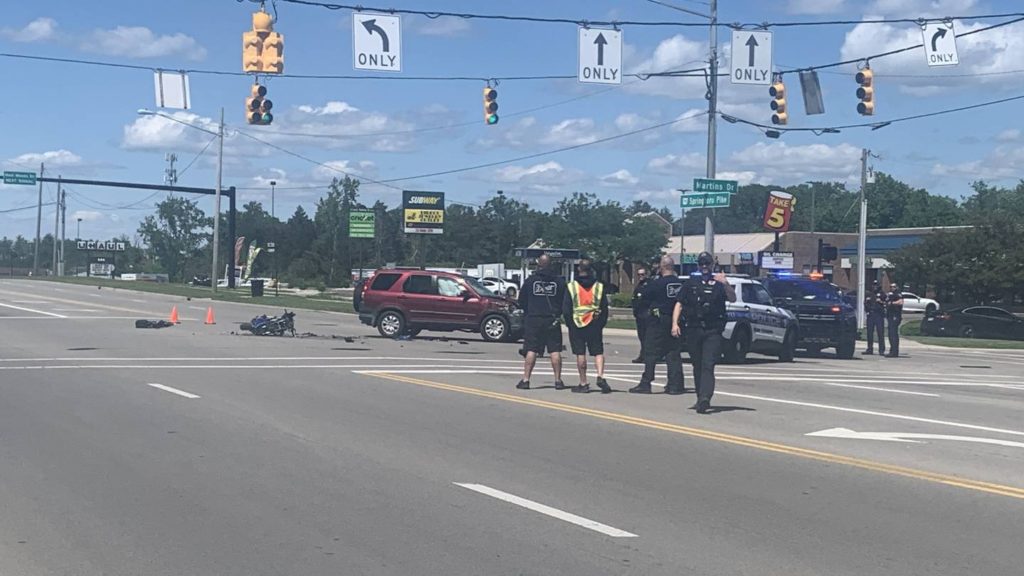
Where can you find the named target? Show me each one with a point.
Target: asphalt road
(198, 450)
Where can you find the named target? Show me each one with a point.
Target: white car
(499, 286)
(914, 303)
(756, 324)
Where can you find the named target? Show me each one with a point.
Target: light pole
(78, 230)
(273, 184)
(220, 174)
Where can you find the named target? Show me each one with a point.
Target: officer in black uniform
(894, 314)
(659, 296)
(700, 311)
(874, 305)
(640, 314)
(541, 300)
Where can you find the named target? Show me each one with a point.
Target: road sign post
(704, 185)
(20, 178)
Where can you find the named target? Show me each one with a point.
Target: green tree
(176, 234)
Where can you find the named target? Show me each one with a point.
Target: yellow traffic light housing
(866, 92)
(490, 106)
(778, 104)
(262, 48)
(257, 107)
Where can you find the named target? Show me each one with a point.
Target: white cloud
(925, 8)
(546, 177)
(338, 169)
(620, 178)
(692, 121)
(38, 30)
(673, 164)
(572, 132)
(141, 42)
(1003, 163)
(444, 26)
(780, 163)
(328, 109)
(815, 6)
(161, 134)
(1010, 135)
(87, 216)
(984, 57)
(54, 158)
(338, 124)
(744, 178)
(674, 53)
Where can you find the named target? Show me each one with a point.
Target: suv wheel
(736, 348)
(967, 331)
(511, 292)
(391, 324)
(929, 310)
(494, 329)
(788, 346)
(846, 349)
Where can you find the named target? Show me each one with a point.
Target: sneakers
(603, 385)
(703, 407)
(640, 389)
(638, 360)
(559, 385)
(582, 389)
(523, 385)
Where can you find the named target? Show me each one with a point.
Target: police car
(756, 324)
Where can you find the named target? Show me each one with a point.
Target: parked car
(406, 302)
(757, 324)
(826, 320)
(975, 322)
(914, 303)
(499, 286)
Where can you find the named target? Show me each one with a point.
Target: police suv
(756, 324)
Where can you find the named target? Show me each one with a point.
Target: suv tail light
(836, 309)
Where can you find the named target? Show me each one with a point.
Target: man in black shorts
(541, 300)
(586, 313)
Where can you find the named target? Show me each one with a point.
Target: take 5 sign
(779, 212)
(423, 212)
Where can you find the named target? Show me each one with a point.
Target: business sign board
(361, 224)
(779, 212)
(102, 245)
(423, 212)
(776, 260)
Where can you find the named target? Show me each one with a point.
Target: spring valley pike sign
(779, 212)
(423, 212)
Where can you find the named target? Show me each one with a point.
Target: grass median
(912, 331)
(238, 295)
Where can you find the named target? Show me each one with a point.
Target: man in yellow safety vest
(586, 313)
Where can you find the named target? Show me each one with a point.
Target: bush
(621, 300)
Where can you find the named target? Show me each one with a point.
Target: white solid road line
(881, 389)
(182, 393)
(51, 314)
(548, 511)
(909, 437)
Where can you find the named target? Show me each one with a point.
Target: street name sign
(702, 200)
(376, 42)
(600, 56)
(22, 178)
(940, 44)
(751, 57)
(710, 185)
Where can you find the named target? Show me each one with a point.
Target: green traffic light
(492, 119)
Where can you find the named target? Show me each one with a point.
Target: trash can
(257, 288)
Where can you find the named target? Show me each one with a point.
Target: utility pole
(56, 225)
(39, 223)
(273, 186)
(216, 209)
(709, 225)
(862, 237)
(63, 231)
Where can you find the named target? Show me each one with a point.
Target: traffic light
(262, 48)
(490, 106)
(778, 92)
(257, 107)
(866, 92)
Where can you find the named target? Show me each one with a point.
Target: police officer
(541, 300)
(659, 297)
(639, 313)
(894, 314)
(700, 307)
(874, 304)
(586, 313)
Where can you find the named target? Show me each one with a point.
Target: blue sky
(82, 120)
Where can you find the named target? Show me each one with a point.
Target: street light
(273, 183)
(220, 175)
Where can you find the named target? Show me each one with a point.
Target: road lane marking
(30, 301)
(56, 300)
(548, 511)
(894, 391)
(74, 310)
(50, 314)
(182, 393)
(910, 437)
(945, 479)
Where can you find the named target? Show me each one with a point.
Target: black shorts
(540, 334)
(588, 338)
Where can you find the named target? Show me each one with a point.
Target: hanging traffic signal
(257, 107)
(778, 104)
(262, 48)
(490, 106)
(866, 92)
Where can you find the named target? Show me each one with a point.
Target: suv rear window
(419, 284)
(384, 281)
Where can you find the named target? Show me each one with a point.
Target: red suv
(404, 302)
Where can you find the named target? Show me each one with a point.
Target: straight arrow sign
(601, 42)
(909, 437)
(752, 45)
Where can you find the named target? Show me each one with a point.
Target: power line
(9, 210)
(197, 156)
(872, 125)
(433, 14)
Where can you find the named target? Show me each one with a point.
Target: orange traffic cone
(209, 316)
(174, 316)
